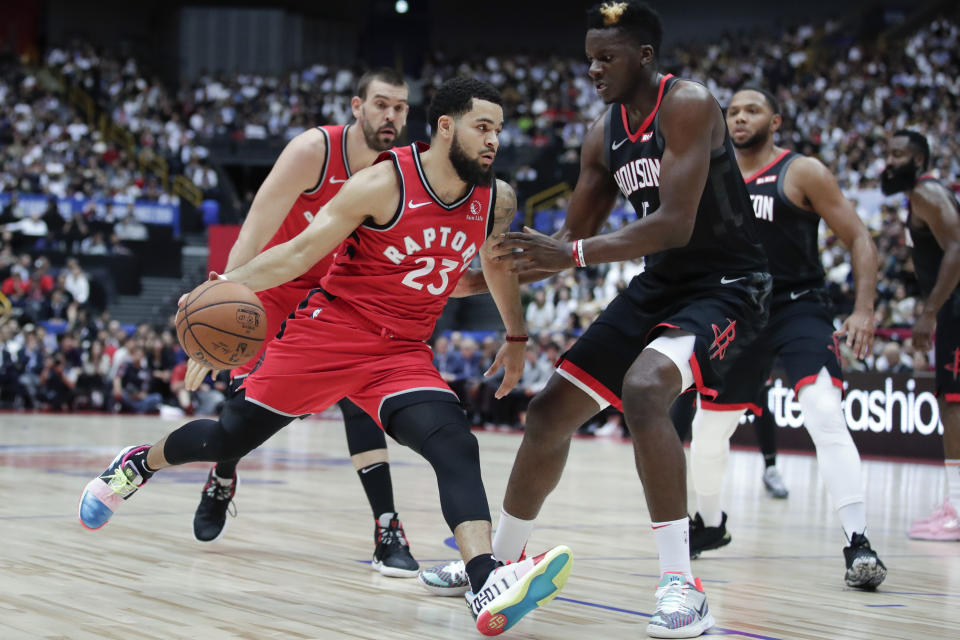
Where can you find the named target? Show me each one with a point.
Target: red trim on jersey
(766, 168)
(646, 123)
(951, 397)
(595, 385)
(723, 406)
(802, 382)
(698, 379)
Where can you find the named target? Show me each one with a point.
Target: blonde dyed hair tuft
(612, 11)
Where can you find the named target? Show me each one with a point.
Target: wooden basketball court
(294, 563)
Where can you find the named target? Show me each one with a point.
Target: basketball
(221, 324)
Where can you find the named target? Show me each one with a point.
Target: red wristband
(517, 338)
(578, 254)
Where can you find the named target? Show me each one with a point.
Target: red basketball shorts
(278, 303)
(327, 352)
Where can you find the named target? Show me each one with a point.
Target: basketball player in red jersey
(933, 225)
(412, 223)
(663, 144)
(791, 194)
(309, 172)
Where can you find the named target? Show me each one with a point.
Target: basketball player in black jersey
(933, 225)
(791, 194)
(662, 144)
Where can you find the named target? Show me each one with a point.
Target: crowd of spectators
(840, 99)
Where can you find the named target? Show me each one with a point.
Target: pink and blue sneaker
(104, 494)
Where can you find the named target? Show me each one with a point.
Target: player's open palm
(196, 374)
(511, 358)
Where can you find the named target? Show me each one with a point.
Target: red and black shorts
(327, 351)
(800, 333)
(723, 312)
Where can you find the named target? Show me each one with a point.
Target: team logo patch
(954, 367)
(646, 137)
(475, 210)
(766, 179)
(722, 339)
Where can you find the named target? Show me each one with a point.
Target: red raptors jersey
(333, 174)
(399, 275)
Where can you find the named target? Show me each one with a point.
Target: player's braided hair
(635, 18)
(455, 97)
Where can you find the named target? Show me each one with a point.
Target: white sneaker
(682, 610)
(514, 590)
(449, 579)
(773, 482)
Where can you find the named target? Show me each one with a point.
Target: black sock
(376, 482)
(770, 460)
(479, 569)
(226, 469)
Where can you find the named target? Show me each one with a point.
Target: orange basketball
(221, 324)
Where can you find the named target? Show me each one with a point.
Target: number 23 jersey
(399, 275)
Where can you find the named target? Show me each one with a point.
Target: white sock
(511, 537)
(673, 544)
(384, 519)
(853, 518)
(953, 481)
(709, 507)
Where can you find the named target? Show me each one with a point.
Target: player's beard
(470, 171)
(757, 139)
(896, 179)
(372, 136)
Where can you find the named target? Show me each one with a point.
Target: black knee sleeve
(242, 427)
(438, 431)
(363, 434)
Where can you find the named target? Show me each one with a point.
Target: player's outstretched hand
(196, 374)
(858, 328)
(511, 358)
(536, 251)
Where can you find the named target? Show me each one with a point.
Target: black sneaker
(864, 568)
(210, 520)
(391, 557)
(704, 538)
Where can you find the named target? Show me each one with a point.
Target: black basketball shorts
(800, 333)
(946, 349)
(723, 312)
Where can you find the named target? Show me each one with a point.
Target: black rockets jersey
(787, 232)
(723, 241)
(926, 251)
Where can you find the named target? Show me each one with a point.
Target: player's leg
(944, 523)
(709, 457)
(500, 594)
(766, 431)
(241, 427)
(367, 445)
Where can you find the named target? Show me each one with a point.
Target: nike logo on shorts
(335, 181)
(617, 145)
(410, 204)
(796, 294)
(726, 280)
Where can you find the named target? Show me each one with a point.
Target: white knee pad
(710, 448)
(678, 346)
(837, 455)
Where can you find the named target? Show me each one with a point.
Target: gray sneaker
(774, 483)
(449, 579)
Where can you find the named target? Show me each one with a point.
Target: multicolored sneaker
(210, 519)
(448, 579)
(682, 610)
(514, 590)
(704, 538)
(773, 482)
(104, 494)
(392, 556)
(864, 568)
(944, 526)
